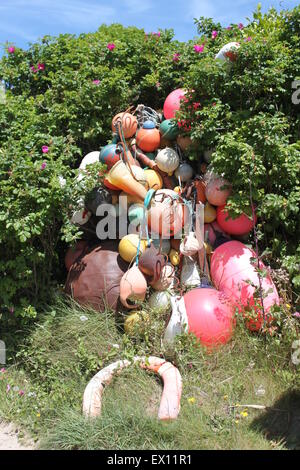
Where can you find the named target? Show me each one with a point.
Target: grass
(71, 343)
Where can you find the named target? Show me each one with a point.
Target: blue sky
(23, 21)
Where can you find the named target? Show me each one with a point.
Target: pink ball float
(172, 103)
(217, 191)
(210, 316)
(231, 271)
(242, 225)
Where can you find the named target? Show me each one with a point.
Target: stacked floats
(147, 163)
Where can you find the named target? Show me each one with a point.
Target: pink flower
(43, 165)
(11, 50)
(229, 27)
(196, 105)
(96, 82)
(249, 38)
(240, 26)
(45, 149)
(34, 69)
(296, 314)
(198, 48)
(11, 310)
(176, 57)
(158, 85)
(3, 370)
(214, 34)
(156, 34)
(111, 46)
(41, 66)
(7, 388)
(21, 393)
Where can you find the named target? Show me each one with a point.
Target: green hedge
(246, 113)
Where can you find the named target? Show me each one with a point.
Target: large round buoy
(169, 129)
(217, 191)
(166, 215)
(184, 172)
(167, 160)
(129, 124)
(210, 316)
(172, 103)
(89, 159)
(109, 155)
(94, 280)
(148, 137)
(233, 273)
(228, 52)
(128, 246)
(160, 300)
(241, 225)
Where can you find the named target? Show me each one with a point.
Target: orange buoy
(129, 124)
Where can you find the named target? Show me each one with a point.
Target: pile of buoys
(164, 256)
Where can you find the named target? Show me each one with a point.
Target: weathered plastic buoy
(210, 316)
(128, 246)
(170, 401)
(109, 155)
(217, 191)
(133, 286)
(172, 103)
(169, 129)
(167, 214)
(241, 225)
(165, 280)
(184, 172)
(129, 124)
(233, 273)
(228, 52)
(167, 160)
(160, 301)
(89, 159)
(148, 137)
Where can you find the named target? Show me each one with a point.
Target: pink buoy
(210, 316)
(242, 225)
(172, 103)
(217, 191)
(233, 273)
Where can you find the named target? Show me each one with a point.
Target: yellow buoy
(128, 246)
(174, 257)
(154, 179)
(210, 213)
(135, 323)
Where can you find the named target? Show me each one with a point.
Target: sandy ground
(9, 439)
